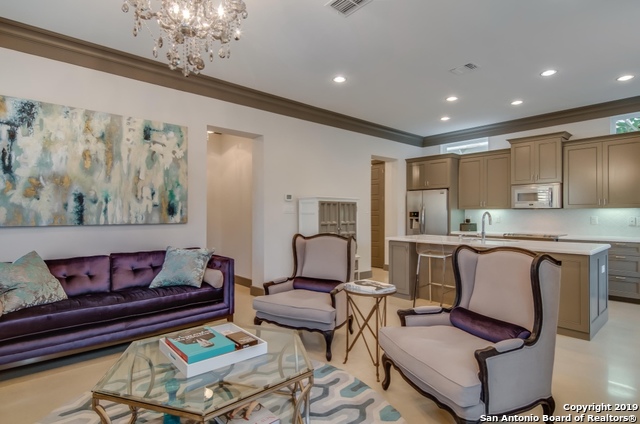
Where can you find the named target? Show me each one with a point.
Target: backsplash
(576, 222)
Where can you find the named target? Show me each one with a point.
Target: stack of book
(370, 286)
(201, 349)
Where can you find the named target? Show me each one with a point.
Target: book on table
(200, 343)
(370, 286)
(242, 339)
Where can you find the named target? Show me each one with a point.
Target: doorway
(377, 213)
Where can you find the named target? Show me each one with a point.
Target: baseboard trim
(256, 291)
(245, 282)
(366, 274)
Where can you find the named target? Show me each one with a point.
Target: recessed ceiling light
(548, 72)
(516, 102)
(452, 98)
(445, 118)
(625, 78)
(339, 79)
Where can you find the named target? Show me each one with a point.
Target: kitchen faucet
(482, 234)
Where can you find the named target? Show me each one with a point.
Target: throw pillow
(182, 267)
(213, 277)
(486, 327)
(28, 282)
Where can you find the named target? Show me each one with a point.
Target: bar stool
(436, 252)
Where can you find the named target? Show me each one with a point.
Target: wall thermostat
(288, 197)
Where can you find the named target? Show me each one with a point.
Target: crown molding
(51, 45)
(600, 110)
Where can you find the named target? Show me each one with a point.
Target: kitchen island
(584, 284)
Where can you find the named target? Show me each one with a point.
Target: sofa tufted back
(136, 269)
(82, 275)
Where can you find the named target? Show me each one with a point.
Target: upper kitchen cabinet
(602, 172)
(431, 172)
(483, 180)
(537, 159)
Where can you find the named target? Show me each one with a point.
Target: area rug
(337, 397)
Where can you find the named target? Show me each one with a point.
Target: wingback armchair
(492, 352)
(312, 298)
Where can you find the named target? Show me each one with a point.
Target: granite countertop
(564, 237)
(570, 248)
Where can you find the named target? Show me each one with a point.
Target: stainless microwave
(536, 196)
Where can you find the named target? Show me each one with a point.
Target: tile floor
(604, 370)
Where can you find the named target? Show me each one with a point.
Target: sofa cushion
(135, 269)
(486, 327)
(298, 305)
(182, 267)
(440, 356)
(97, 308)
(27, 282)
(82, 275)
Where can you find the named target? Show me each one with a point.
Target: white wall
(289, 156)
(230, 205)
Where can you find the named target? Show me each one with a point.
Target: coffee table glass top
(146, 377)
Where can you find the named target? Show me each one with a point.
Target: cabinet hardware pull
(620, 244)
(620, 278)
(620, 257)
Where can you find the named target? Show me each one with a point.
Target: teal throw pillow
(28, 282)
(182, 267)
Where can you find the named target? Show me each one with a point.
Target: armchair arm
(514, 372)
(424, 316)
(278, 286)
(339, 303)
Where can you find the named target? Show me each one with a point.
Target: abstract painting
(69, 166)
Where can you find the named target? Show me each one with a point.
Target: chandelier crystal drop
(190, 28)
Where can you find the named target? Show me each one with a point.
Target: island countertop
(568, 248)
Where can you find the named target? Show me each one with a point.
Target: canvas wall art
(69, 166)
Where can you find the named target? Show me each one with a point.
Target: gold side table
(378, 292)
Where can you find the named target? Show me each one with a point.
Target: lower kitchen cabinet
(624, 271)
(584, 305)
(403, 262)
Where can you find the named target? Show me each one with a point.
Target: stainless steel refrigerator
(427, 212)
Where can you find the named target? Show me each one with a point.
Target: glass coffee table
(144, 378)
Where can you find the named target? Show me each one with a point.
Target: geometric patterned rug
(337, 397)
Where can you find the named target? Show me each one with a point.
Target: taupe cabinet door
(429, 174)
(484, 181)
(603, 173)
(537, 159)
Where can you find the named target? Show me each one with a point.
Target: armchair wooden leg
(386, 364)
(350, 324)
(328, 338)
(548, 406)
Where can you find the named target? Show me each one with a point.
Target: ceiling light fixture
(452, 98)
(188, 27)
(624, 78)
(516, 102)
(445, 118)
(549, 72)
(339, 79)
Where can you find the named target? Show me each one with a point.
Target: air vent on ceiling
(347, 7)
(464, 69)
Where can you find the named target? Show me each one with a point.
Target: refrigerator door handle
(423, 224)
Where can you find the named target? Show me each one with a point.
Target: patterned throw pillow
(182, 267)
(28, 282)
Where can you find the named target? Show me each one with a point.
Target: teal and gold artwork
(62, 165)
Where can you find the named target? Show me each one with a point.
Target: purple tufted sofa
(110, 302)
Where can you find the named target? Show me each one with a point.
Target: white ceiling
(396, 54)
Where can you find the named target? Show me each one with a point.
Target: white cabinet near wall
(327, 215)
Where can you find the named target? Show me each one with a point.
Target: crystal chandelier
(189, 28)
